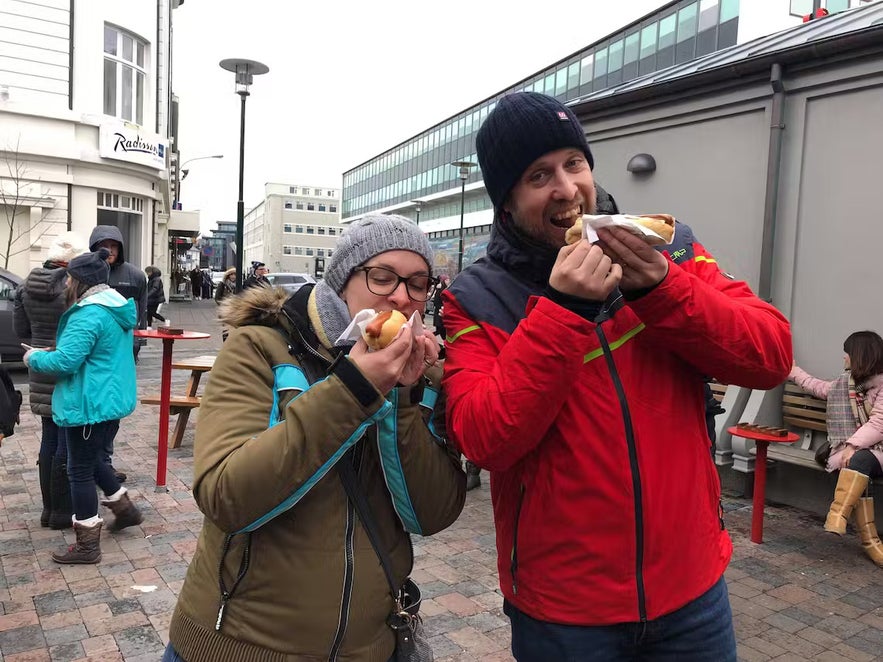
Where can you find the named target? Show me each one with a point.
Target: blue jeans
(86, 467)
(701, 631)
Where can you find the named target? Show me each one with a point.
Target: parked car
(290, 282)
(10, 347)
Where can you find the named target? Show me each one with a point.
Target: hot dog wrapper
(361, 320)
(592, 223)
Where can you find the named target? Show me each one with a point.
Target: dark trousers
(701, 631)
(86, 467)
(107, 450)
(865, 462)
(52, 442)
(153, 315)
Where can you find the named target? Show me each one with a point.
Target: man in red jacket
(575, 375)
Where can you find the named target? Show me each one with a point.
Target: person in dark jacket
(155, 294)
(130, 281)
(258, 277)
(574, 374)
(39, 304)
(196, 283)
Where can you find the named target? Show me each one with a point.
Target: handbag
(412, 644)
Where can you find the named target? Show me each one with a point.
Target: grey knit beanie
(370, 236)
(522, 127)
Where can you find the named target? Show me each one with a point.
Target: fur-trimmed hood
(257, 305)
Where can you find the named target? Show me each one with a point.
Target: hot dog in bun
(662, 224)
(380, 331)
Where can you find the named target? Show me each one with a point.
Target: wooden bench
(718, 390)
(805, 412)
(182, 405)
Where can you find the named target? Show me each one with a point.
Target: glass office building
(419, 169)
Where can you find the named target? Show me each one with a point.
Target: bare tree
(19, 192)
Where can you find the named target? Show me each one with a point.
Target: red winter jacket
(606, 499)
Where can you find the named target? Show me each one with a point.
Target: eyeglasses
(383, 282)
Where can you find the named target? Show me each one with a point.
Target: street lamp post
(418, 205)
(245, 71)
(465, 167)
(181, 172)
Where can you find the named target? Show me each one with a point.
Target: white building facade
(85, 103)
(294, 229)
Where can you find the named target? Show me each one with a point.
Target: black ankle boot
(473, 476)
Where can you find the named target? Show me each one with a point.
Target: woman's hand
(424, 353)
(846, 456)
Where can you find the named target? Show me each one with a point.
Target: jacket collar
(520, 253)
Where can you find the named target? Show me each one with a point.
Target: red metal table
(162, 444)
(762, 442)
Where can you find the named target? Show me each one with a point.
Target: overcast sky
(349, 79)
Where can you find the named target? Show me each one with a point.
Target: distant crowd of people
(575, 374)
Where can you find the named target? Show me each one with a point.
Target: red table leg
(162, 444)
(759, 491)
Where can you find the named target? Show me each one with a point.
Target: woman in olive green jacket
(299, 579)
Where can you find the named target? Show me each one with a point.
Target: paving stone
(65, 635)
(66, 652)
(52, 603)
(21, 639)
(139, 641)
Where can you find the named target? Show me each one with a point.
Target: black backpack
(10, 404)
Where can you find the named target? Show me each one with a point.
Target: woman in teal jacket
(95, 387)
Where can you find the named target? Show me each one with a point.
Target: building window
(332, 231)
(304, 191)
(330, 194)
(332, 208)
(292, 190)
(320, 230)
(298, 250)
(287, 227)
(299, 229)
(311, 229)
(299, 205)
(321, 207)
(288, 204)
(286, 250)
(320, 252)
(309, 251)
(330, 252)
(311, 206)
(317, 191)
(125, 75)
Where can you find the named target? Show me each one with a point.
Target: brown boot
(125, 513)
(87, 549)
(850, 486)
(867, 530)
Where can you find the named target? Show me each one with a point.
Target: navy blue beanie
(90, 268)
(522, 127)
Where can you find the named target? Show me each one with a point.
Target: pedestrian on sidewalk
(155, 294)
(855, 434)
(574, 374)
(95, 387)
(284, 570)
(38, 306)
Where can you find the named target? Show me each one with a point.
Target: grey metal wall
(711, 153)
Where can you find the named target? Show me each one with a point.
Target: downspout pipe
(773, 173)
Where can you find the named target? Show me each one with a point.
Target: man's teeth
(568, 218)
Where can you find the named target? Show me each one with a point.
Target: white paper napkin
(362, 318)
(593, 223)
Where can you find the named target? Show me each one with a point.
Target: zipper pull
(224, 597)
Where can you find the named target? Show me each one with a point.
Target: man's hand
(642, 265)
(583, 270)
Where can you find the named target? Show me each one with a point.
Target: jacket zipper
(633, 464)
(514, 566)
(343, 619)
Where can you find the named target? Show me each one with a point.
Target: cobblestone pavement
(802, 595)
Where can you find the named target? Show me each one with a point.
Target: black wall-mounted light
(641, 164)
